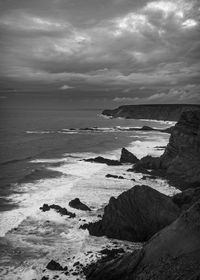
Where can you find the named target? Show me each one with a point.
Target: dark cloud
(112, 45)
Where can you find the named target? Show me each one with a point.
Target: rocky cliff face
(135, 215)
(169, 112)
(173, 253)
(181, 159)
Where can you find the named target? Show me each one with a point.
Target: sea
(44, 142)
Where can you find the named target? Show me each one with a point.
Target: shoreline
(112, 187)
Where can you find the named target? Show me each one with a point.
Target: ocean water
(42, 152)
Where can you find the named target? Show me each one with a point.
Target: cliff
(180, 162)
(172, 253)
(169, 112)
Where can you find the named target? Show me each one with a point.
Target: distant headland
(166, 112)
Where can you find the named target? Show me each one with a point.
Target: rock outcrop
(104, 160)
(135, 215)
(77, 204)
(61, 210)
(173, 253)
(180, 162)
(53, 265)
(170, 112)
(127, 157)
(114, 176)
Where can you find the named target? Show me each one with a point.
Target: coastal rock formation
(53, 265)
(114, 176)
(103, 160)
(181, 159)
(61, 210)
(77, 204)
(170, 112)
(173, 253)
(135, 215)
(127, 156)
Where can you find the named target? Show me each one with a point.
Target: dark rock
(144, 177)
(147, 128)
(114, 176)
(135, 215)
(186, 198)
(173, 253)
(76, 263)
(45, 208)
(104, 160)
(113, 268)
(127, 156)
(45, 278)
(53, 265)
(77, 204)
(59, 209)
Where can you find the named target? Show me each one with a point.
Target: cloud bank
(112, 45)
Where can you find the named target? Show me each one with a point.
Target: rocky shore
(169, 226)
(166, 227)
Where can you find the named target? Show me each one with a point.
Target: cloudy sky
(131, 51)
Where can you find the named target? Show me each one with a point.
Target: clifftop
(169, 112)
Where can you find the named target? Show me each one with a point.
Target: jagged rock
(103, 160)
(53, 265)
(45, 207)
(63, 211)
(135, 215)
(148, 162)
(173, 253)
(114, 176)
(147, 128)
(127, 156)
(187, 198)
(180, 162)
(114, 268)
(77, 204)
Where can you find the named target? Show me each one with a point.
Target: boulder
(172, 253)
(53, 265)
(127, 156)
(77, 204)
(135, 215)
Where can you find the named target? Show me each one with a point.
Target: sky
(125, 51)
